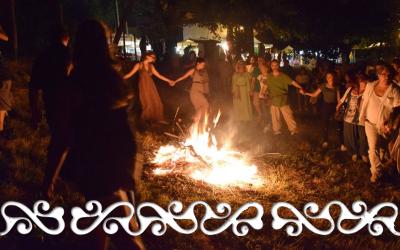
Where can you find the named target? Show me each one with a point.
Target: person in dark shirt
(330, 98)
(49, 75)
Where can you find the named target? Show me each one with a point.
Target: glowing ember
(201, 159)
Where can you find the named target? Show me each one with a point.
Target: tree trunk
(346, 50)
(126, 11)
(249, 38)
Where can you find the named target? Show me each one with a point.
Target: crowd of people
(86, 97)
(357, 104)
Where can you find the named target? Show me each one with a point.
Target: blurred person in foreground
(100, 156)
(49, 77)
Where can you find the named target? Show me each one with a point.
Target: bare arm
(314, 94)
(294, 83)
(159, 76)
(186, 75)
(3, 35)
(132, 72)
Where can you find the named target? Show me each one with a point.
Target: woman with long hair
(199, 88)
(102, 150)
(152, 107)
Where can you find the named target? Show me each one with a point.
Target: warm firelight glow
(200, 158)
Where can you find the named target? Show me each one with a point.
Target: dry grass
(303, 174)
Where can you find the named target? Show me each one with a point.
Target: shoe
(294, 133)
(325, 144)
(343, 148)
(354, 158)
(364, 158)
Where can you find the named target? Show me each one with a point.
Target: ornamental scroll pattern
(360, 215)
(175, 214)
(157, 223)
(169, 217)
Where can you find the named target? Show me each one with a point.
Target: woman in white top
(378, 101)
(355, 139)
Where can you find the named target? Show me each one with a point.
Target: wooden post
(134, 44)
(127, 8)
(116, 14)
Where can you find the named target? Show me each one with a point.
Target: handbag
(339, 114)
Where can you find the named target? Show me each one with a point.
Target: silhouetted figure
(103, 149)
(49, 75)
(101, 152)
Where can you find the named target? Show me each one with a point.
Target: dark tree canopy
(311, 24)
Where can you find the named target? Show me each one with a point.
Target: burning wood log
(198, 155)
(195, 154)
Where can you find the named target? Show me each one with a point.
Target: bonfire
(199, 156)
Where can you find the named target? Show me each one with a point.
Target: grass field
(302, 173)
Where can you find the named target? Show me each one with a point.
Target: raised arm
(159, 76)
(186, 75)
(132, 72)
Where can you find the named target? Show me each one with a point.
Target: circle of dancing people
(86, 99)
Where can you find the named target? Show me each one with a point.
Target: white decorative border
(24, 224)
(111, 225)
(359, 214)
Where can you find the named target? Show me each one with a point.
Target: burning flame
(204, 160)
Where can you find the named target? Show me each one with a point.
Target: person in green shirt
(278, 84)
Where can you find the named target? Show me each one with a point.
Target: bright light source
(224, 46)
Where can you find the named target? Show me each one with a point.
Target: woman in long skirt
(241, 91)
(152, 107)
